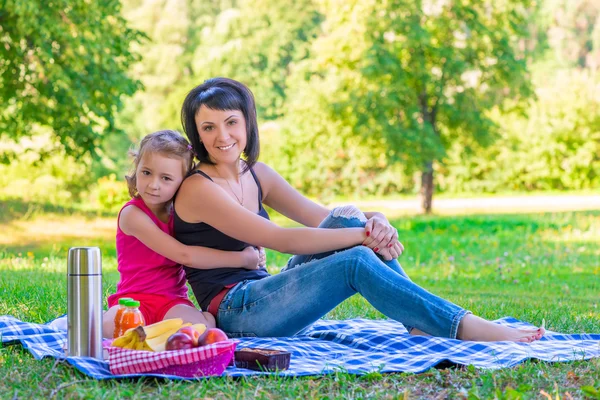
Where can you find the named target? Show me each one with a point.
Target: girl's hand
(251, 256)
(382, 237)
(262, 257)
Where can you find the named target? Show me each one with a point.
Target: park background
(374, 102)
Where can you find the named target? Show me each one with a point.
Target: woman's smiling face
(223, 133)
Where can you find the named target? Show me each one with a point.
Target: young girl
(149, 258)
(220, 205)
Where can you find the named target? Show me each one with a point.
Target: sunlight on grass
(44, 229)
(534, 267)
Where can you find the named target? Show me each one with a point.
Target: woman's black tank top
(207, 283)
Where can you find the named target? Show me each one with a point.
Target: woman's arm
(134, 222)
(200, 200)
(283, 198)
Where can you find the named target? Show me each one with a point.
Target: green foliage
(57, 178)
(409, 80)
(572, 30)
(109, 194)
(255, 43)
(322, 157)
(354, 97)
(252, 41)
(172, 28)
(64, 65)
(556, 147)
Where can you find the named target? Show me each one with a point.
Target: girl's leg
(191, 315)
(283, 304)
(108, 322)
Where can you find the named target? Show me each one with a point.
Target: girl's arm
(134, 222)
(201, 200)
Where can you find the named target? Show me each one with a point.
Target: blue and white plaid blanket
(355, 346)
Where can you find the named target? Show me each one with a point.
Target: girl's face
(223, 134)
(158, 177)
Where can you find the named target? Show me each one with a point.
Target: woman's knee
(348, 211)
(365, 257)
(344, 217)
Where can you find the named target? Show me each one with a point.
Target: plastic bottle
(131, 318)
(119, 314)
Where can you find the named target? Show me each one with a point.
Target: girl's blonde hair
(167, 143)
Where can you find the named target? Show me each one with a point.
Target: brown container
(262, 359)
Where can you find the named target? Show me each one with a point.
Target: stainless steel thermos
(84, 302)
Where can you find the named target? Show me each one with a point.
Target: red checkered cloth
(210, 360)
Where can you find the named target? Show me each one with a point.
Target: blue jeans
(311, 286)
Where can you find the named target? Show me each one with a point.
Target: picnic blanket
(356, 346)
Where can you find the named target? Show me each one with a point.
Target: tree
(421, 75)
(64, 67)
(573, 31)
(255, 42)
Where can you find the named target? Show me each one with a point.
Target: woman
(220, 206)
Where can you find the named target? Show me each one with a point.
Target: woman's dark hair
(221, 94)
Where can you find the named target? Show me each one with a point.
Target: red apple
(179, 341)
(192, 333)
(212, 335)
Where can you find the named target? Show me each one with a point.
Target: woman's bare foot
(474, 328)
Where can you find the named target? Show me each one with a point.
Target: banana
(201, 328)
(145, 347)
(153, 337)
(125, 340)
(158, 343)
(134, 341)
(161, 327)
(141, 346)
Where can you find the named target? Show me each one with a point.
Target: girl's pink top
(142, 270)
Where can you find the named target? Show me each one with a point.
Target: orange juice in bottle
(119, 314)
(131, 318)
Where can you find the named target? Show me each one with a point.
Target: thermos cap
(84, 261)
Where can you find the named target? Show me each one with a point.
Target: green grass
(529, 266)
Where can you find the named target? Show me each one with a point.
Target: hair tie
(190, 147)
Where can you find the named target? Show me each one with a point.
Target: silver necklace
(231, 188)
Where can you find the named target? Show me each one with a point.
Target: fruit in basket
(191, 332)
(212, 335)
(162, 327)
(126, 341)
(179, 341)
(158, 343)
(149, 338)
(201, 328)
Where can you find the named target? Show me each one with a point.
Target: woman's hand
(382, 237)
(252, 258)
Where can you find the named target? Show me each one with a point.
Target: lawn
(529, 266)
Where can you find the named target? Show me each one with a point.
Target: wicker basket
(210, 360)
